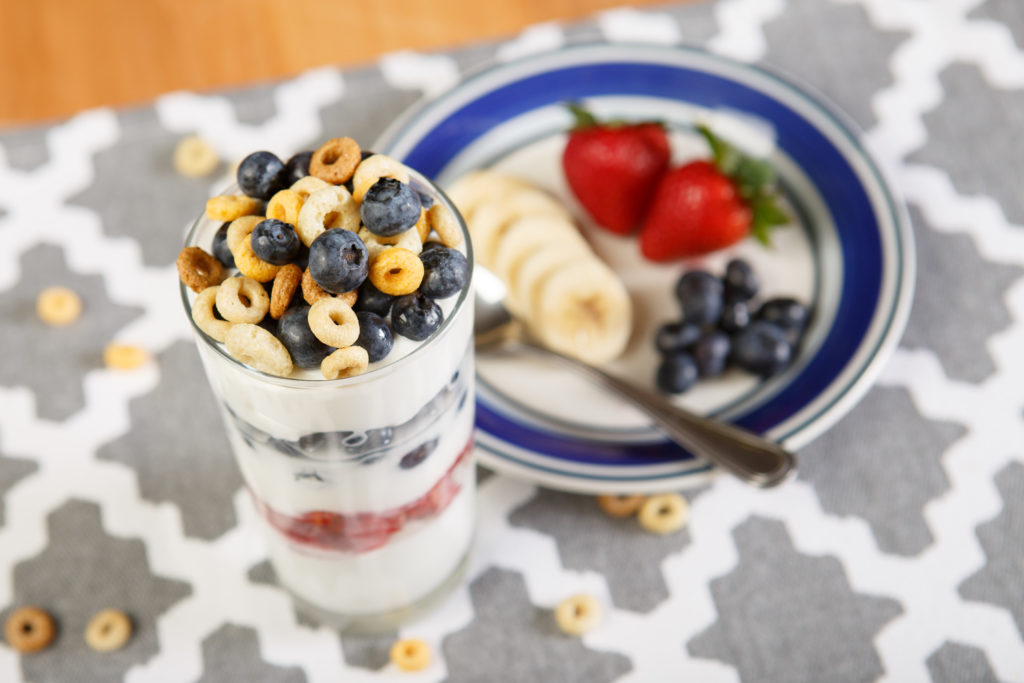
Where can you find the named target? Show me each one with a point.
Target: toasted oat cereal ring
(333, 322)
(620, 506)
(423, 225)
(311, 291)
(331, 207)
(228, 207)
(194, 158)
(349, 298)
(124, 356)
(258, 348)
(444, 224)
(335, 161)
(199, 269)
(239, 229)
(396, 271)
(372, 169)
(286, 283)
(204, 318)
(251, 265)
(410, 654)
(242, 300)
(108, 630)
(307, 185)
(285, 206)
(58, 306)
(346, 362)
(578, 614)
(664, 513)
(29, 629)
(375, 244)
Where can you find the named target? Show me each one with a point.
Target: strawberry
(613, 168)
(703, 206)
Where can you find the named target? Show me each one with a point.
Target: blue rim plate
(853, 228)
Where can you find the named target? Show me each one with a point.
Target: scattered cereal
(58, 306)
(199, 269)
(194, 158)
(410, 654)
(330, 207)
(333, 322)
(228, 207)
(347, 362)
(286, 282)
(664, 513)
(29, 629)
(445, 225)
(396, 271)
(108, 630)
(620, 506)
(372, 169)
(258, 348)
(335, 161)
(204, 317)
(242, 300)
(251, 265)
(578, 614)
(285, 206)
(239, 229)
(124, 356)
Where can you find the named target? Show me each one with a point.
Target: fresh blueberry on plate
(711, 352)
(416, 316)
(390, 207)
(700, 294)
(445, 272)
(735, 316)
(374, 335)
(261, 175)
(293, 330)
(275, 241)
(787, 313)
(762, 348)
(338, 260)
(676, 336)
(677, 373)
(741, 283)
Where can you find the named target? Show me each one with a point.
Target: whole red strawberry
(613, 168)
(702, 206)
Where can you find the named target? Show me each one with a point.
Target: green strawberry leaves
(755, 181)
(583, 119)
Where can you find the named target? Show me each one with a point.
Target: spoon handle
(750, 457)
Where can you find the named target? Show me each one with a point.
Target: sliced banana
(478, 188)
(490, 220)
(532, 271)
(526, 235)
(583, 310)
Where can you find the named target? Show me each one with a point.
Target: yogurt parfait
(329, 296)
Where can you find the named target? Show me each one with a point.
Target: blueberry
(445, 272)
(390, 207)
(789, 314)
(427, 246)
(741, 284)
(735, 316)
(297, 167)
(338, 260)
(260, 175)
(700, 294)
(762, 348)
(220, 246)
(676, 337)
(372, 299)
(374, 335)
(426, 200)
(677, 373)
(293, 330)
(417, 455)
(711, 352)
(365, 154)
(415, 316)
(275, 241)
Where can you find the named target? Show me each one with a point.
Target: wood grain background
(58, 57)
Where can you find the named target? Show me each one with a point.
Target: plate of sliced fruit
(697, 225)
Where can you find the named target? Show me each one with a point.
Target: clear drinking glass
(364, 485)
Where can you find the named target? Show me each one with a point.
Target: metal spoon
(753, 459)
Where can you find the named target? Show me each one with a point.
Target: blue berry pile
(722, 326)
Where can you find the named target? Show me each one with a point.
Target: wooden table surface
(58, 57)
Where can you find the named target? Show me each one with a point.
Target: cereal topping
(285, 206)
(251, 265)
(445, 225)
(307, 186)
(242, 300)
(347, 362)
(334, 322)
(230, 207)
(396, 271)
(374, 168)
(286, 282)
(58, 306)
(204, 317)
(254, 346)
(239, 229)
(330, 207)
(336, 160)
(199, 269)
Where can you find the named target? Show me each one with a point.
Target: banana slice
(526, 235)
(478, 188)
(532, 271)
(583, 310)
(490, 220)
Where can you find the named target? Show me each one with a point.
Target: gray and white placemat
(896, 555)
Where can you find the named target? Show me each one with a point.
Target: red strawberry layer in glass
(362, 532)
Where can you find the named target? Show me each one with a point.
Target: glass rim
(308, 383)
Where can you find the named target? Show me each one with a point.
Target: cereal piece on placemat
(194, 158)
(108, 630)
(29, 629)
(620, 506)
(578, 614)
(58, 306)
(124, 356)
(664, 513)
(410, 654)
